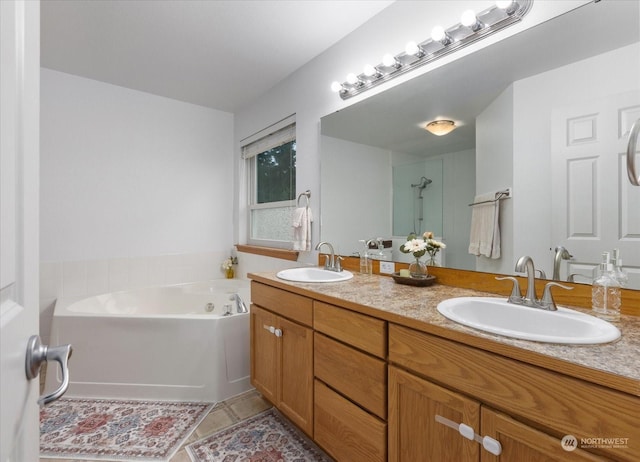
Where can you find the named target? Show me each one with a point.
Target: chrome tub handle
(634, 178)
(37, 353)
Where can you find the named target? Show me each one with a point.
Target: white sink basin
(498, 316)
(313, 275)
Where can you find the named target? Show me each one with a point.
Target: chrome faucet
(240, 306)
(332, 263)
(561, 254)
(525, 264)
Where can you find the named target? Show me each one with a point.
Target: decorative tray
(429, 280)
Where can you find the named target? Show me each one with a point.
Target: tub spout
(240, 306)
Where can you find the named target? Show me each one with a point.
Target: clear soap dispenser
(366, 265)
(620, 274)
(605, 292)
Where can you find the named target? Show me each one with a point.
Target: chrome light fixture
(472, 27)
(441, 127)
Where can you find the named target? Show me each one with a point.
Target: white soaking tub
(161, 343)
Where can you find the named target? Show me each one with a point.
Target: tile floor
(224, 414)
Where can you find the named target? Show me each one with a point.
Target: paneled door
(19, 155)
(594, 206)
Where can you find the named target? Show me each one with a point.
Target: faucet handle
(327, 265)
(515, 296)
(338, 265)
(547, 300)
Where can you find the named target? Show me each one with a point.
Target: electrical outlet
(387, 267)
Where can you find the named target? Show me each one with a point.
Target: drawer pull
(269, 328)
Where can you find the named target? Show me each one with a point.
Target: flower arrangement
(419, 246)
(227, 267)
(229, 262)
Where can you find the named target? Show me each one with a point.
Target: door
(418, 415)
(588, 147)
(295, 397)
(19, 266)
(264, 353)
(522, 443)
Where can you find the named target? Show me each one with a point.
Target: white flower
(415, 245)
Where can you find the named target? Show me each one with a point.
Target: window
(271, 167)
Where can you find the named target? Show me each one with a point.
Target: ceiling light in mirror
(440, 127)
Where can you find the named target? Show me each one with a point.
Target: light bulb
(369, 70)
(468, 18)
(352, 78)
(336, 86)
(388, 60)
(437, 34)
(503, 4)
(412, 49)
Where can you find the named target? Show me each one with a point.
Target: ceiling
(217, 53)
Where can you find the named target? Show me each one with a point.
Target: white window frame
(277, 134)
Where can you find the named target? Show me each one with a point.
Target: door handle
(634, 178)
(37, 353)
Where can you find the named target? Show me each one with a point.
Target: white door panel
(19, 155)
(588, 142)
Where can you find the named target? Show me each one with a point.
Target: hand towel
(484, 238)
(302, 219)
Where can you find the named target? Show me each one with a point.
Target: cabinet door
(264, 354)
(296, 381)
(414, 433)
(521, 443)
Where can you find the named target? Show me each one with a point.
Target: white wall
(135, 189)
(494, 172)
(369, 169)
(306, 92)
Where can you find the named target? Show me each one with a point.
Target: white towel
(484, 238)
(302, 219)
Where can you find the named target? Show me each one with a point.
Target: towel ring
(307, 196)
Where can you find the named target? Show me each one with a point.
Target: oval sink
(498, 316)
(313, 275)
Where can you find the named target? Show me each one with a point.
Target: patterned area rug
(90, 429)
(266, 437)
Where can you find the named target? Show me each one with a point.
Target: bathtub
(160, 343)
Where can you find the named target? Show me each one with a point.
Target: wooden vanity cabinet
(351, 384)
(282, 352)
(526, 408)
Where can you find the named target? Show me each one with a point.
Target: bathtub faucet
(240, 306)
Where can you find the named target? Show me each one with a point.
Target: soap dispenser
(366, 265)
(620, 274)
(605, 292)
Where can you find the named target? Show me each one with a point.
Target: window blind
(274, 136)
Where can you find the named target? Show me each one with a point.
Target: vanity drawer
(358, 376)
(292, 306)
(358, 330)
(345, 431)
(554, 401)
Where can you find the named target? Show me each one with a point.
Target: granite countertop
(415, 307)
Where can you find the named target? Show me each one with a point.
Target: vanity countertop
(615, 364)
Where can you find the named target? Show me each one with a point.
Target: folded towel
(302, 219)
(484, 238)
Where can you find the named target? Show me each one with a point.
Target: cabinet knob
(278, 332)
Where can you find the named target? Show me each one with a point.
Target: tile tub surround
(616, 365)
(84, 278)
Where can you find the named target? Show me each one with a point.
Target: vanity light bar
(441, 43)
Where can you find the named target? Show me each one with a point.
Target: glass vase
(432, 261)
(418, 270)
(229, 273)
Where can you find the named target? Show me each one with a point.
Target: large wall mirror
(545, 113)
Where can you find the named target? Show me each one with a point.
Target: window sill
(283, 254)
